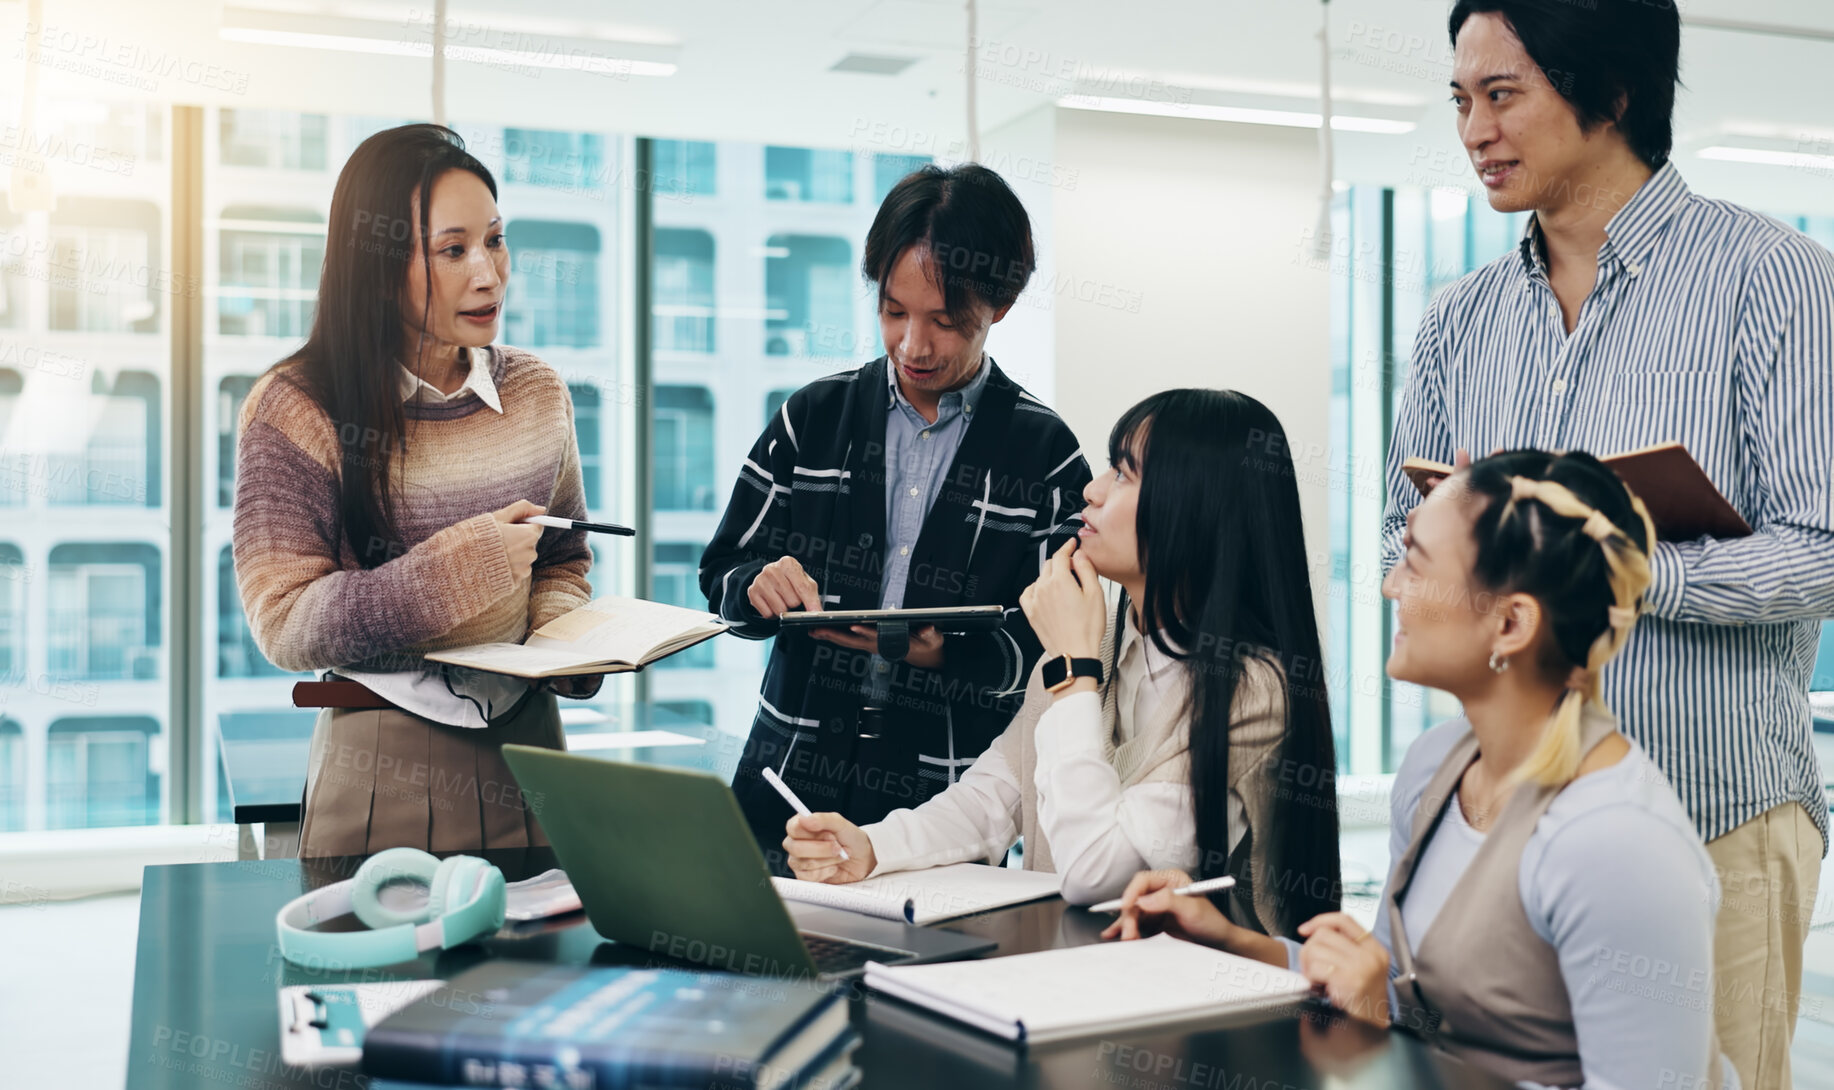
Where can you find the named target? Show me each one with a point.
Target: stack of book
(518, 1023)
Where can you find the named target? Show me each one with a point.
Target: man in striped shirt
(1635, 312)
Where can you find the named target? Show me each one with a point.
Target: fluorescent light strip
(1241, 114)
(350, 43)
(1764, 157)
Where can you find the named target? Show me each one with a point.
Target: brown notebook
(1681, 499)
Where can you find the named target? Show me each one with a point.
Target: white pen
(558, 523)
(1210, 885)
(771, 777)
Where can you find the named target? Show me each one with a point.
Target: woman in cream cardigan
(1207, 714)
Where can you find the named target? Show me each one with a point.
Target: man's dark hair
(1593, 52)
(978, 237)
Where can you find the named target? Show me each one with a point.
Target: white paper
(927, 896)
(612, 631)
(1103, 987)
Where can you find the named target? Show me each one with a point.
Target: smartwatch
(1062, 672)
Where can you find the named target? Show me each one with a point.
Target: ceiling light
(413, 38)
(1766, 157)
(1240, 114)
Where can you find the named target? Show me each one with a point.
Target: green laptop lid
(662, 860)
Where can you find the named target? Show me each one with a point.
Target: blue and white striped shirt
(1713, 326)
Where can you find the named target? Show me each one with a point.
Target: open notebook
(1682, 500)
(605, 636)
(926, 896)
(1109, 987)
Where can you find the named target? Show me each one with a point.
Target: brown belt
(336, 694)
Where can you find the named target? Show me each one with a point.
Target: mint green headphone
(465, 902)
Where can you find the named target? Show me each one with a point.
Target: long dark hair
(1222, 544)
(347, 362)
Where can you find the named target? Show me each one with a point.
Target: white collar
(1156, 661)
(477, 380)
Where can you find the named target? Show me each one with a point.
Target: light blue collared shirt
(918, 454)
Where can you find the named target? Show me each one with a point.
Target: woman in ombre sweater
(383, 472)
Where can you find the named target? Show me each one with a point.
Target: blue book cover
(528, 1024)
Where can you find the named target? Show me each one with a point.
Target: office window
(237, 655)
(100, 771)
(231, 393)
(694, 711)
(117, 461)
(683, 440)
(588, 431)
(12, 776)
(683, 168)
(268, 264)
(103, 619)
(772, 402)
(681, 300)
(808, 174)
(809, 285)
(1394, 248)
(674, 580)
(275, 139)
(889, 170)
(14, 575)
(105, 271)
(556, 160)
(554, 296)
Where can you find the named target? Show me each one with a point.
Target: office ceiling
(765, 71)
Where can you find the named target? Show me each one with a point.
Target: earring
(1498, 664)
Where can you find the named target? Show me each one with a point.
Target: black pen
(559, 523)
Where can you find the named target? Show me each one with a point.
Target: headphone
(466, 900)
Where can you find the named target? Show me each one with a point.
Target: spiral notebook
(1109, 987)
(926, 896)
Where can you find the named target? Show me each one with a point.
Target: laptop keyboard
(838, 957)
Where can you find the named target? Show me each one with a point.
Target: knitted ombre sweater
(312, 606)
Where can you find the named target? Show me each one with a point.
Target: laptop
(664, 861)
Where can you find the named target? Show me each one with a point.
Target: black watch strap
(1063, 669)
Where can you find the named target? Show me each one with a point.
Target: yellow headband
(1595, 525)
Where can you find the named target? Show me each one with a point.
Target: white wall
(1179, 261)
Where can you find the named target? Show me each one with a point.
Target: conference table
(207, 974)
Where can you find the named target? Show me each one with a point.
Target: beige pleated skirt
(383, 778)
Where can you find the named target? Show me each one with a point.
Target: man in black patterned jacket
(924, 478)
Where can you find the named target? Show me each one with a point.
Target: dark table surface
(207, 972)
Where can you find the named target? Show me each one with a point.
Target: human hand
(926, 642)
(1349, 962)
(811, 844)
(1065, 605)
(519, 539)
(1148, 907)
(782, 586)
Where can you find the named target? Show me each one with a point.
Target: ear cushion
(471, 899)
(452, 884)
(393, 865)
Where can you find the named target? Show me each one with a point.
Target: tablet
(945, 618)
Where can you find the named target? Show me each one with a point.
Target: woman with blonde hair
(1550, 910)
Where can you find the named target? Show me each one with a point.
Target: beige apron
(1481, 980)
(384, 778)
